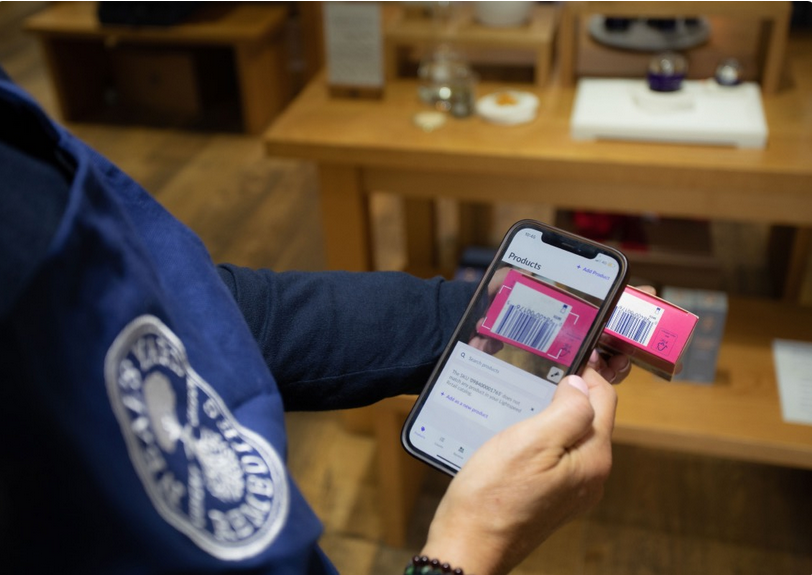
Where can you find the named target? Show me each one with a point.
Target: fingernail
(594, 358)
(578, 383)
(609, 375)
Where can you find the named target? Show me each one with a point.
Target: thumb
(569, 416)
(578, 383)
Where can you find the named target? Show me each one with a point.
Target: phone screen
(534, 319)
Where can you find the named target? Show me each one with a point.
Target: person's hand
(614, 367)
(527, 481)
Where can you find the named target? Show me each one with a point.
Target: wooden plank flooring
(663, 513)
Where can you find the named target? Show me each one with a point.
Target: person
(144, 388)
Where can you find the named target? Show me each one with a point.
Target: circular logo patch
(219, 483)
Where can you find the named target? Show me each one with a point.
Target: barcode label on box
(531, 318)
(635, 319)
(539, 318)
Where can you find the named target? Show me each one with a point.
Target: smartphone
(535, 318)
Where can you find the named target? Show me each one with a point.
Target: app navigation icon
(555, 374)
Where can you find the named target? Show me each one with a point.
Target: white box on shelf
(701, 112)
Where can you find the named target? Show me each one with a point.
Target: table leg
(399, 475)
(345, 218)
(420, 228)
(476, 223)
(789, 252)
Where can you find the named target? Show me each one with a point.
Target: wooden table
(78, 52)
(363, 146)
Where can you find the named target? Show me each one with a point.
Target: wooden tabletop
(215, 22)
(770, 185)
(739, 415)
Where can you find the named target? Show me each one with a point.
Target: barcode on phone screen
(635, 319)
(531, 318)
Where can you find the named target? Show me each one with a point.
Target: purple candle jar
(666, 72)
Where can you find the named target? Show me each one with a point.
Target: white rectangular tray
(701, 112)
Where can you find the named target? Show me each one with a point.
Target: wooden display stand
(403, 32)
(773, 16)
(157, 66)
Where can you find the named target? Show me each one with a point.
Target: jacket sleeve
(336, 340)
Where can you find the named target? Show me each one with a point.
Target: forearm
(336, 340)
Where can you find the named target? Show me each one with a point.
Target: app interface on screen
(539, 306)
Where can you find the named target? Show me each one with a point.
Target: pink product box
(538, 318)
(651, 331)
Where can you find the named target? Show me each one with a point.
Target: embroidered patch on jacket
(221, 484)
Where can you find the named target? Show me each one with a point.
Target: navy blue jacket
(144, 387)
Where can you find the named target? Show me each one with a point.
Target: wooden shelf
(770, 43)
(535, 38)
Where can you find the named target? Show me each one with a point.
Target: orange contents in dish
(506, 99)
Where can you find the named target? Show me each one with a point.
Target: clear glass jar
(446, 82)
(729, 72)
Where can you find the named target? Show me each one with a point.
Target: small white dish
(508, 107)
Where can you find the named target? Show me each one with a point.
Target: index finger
(603, 397)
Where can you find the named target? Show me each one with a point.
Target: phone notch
(570, 244)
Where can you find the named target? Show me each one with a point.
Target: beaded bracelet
(425, 566)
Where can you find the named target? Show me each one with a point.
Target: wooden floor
(663, 513)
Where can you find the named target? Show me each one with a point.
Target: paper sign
(793, 370)
(353, 44)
